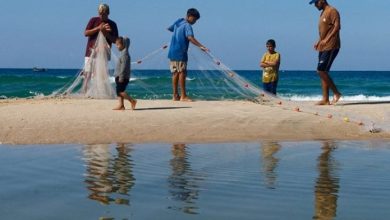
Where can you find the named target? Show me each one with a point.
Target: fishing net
(93, 81)
(208, 78)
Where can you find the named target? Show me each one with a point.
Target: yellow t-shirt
(270, 74)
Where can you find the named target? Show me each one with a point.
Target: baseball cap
(313, 1)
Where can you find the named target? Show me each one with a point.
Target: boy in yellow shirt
(270, 63)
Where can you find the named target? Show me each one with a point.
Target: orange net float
(316, 114)
(231, 74)
(280, 103)
(246, 85)
(330, 116)
(297, 109)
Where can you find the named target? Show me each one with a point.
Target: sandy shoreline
(58, 121)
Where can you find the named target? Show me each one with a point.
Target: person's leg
(336, 93)
(175, 83)
(119, 91)
(86, 73)
(327, 61)
(132, 101)
(274, 86)
(325, 88)
(173, 66)
(267, 87)
(182, 82)
(121, 105)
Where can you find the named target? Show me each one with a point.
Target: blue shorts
(121, 86)
(325, 59)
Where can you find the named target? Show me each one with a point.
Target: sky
(50, 33)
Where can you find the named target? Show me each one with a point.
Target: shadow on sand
(159, 108)
(364, 103)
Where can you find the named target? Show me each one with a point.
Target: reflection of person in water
(270, 162)
(183, 181)
(327, 184)
(123, 174)
(107, 174)
(97, 179)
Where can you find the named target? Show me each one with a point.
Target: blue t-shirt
(179, 44)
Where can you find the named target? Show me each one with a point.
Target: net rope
(208, 73)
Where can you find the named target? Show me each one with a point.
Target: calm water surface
(265, 180)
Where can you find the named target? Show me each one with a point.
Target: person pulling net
(93, 81)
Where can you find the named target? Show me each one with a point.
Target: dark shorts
(121, 86)
(270, 87)
(325, 59)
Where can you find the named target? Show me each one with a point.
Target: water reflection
(109, 177)
(269, 162)
(327, 184)
(183, 181)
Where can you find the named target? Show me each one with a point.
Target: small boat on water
(38, 69)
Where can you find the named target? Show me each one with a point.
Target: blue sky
(49, 33)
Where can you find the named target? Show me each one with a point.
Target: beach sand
(88, 121)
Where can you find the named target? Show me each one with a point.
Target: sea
(365, 86)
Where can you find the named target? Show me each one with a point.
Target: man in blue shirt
(182, 36)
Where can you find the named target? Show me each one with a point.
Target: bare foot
(133, 104)
(176, 98)
(185, 99)
(119, 108)
(322, 102)
(335, 99)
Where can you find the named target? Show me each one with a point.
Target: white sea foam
(355, 98)
(112, 79)
(37, 94)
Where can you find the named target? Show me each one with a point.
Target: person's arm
(277, 63)
(274, 63)
(111, 33)
(91, 29)
(263, 64)
(171, 28)
(193, 40)
(121, 69)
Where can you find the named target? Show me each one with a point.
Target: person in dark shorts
(328, 47)
(122, 73)
(270, 63)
